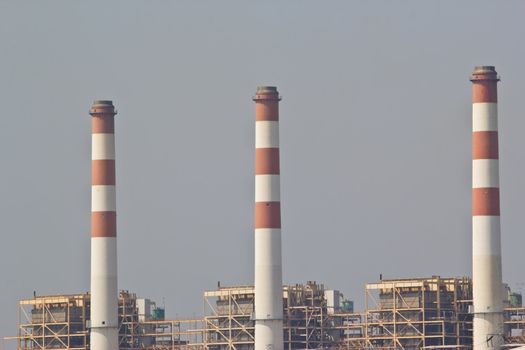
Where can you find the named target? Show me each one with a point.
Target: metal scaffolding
(229, 320)
(62, 322)
(514, 324)
(426, 313)
(53, 322)
(229, 323)
(412, 314)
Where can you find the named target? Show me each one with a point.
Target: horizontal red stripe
(103, 172)
(267, 215)
(485, 145)
(485, 201)
(266, 161)
(104, 124)
(484, 91)
(267, 110)
(104, 224)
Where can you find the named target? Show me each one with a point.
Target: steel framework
(53, 322)
(229, 322)
(427, 313)
(62, 322)
(411, 314)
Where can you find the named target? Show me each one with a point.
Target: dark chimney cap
(266, 93)
(487, 69)
(102, 107)
(108, 103)
(266, 89)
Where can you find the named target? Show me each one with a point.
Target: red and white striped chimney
(268, 269)
(104, 292)
(486, 236)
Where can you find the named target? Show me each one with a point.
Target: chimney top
(484, 73)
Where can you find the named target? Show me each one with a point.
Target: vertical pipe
(486, 236)
(104, 292)
(268, 270)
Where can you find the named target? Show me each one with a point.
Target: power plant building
(429, 313)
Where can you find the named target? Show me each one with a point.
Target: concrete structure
(333, 300)
(104, 292)
(268, 270)
(486, 237)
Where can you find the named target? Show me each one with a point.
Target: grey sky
(375, 140)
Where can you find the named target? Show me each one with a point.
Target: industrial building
(413, 314)
(63, 322)
(307, 310)
(424, 313)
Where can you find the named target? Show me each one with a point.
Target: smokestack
(104, 292)
(268, 270)
(486, 236)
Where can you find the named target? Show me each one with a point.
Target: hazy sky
(375, 140)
